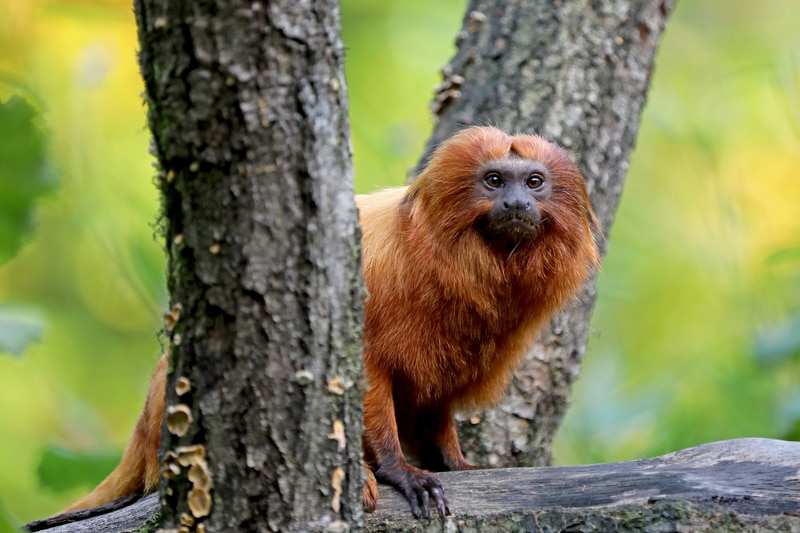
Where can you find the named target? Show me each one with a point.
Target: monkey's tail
(137, 471)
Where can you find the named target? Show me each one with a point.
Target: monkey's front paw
(422, 490)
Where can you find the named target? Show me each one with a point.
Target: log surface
(735, 485)
(743, 483)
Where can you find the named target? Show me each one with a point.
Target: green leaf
(18, 329)
(25, 172)
(61, 469)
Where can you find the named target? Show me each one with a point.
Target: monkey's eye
(493, 180)
(535, 181)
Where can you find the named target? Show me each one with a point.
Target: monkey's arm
(385, 457)
(137, 471)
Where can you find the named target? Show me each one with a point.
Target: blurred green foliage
(61, 469)
(7, 524)
(702, 276)
(25, 176)
(697, 317)
(18, 329)
(25, 173)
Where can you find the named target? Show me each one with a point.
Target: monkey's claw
(426, 495)
(423, 491)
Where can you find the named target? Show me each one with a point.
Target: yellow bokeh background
(690, 284)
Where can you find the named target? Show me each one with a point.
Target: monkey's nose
(517, 204)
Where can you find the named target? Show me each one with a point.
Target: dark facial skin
(515, 186)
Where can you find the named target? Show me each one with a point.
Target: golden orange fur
(138, 470)
(450, 309)
(449, 315)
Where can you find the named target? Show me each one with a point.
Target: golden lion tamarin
(462, 268)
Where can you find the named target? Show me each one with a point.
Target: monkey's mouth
(516, 226)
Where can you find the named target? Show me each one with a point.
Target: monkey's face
(509, 190)
(512, 190)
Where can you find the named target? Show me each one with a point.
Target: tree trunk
(576, 73)
(248, 109)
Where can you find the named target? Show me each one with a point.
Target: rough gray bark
(576, 73)
(738, 485)
(248, 109)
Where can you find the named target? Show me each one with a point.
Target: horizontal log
(742, 484)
